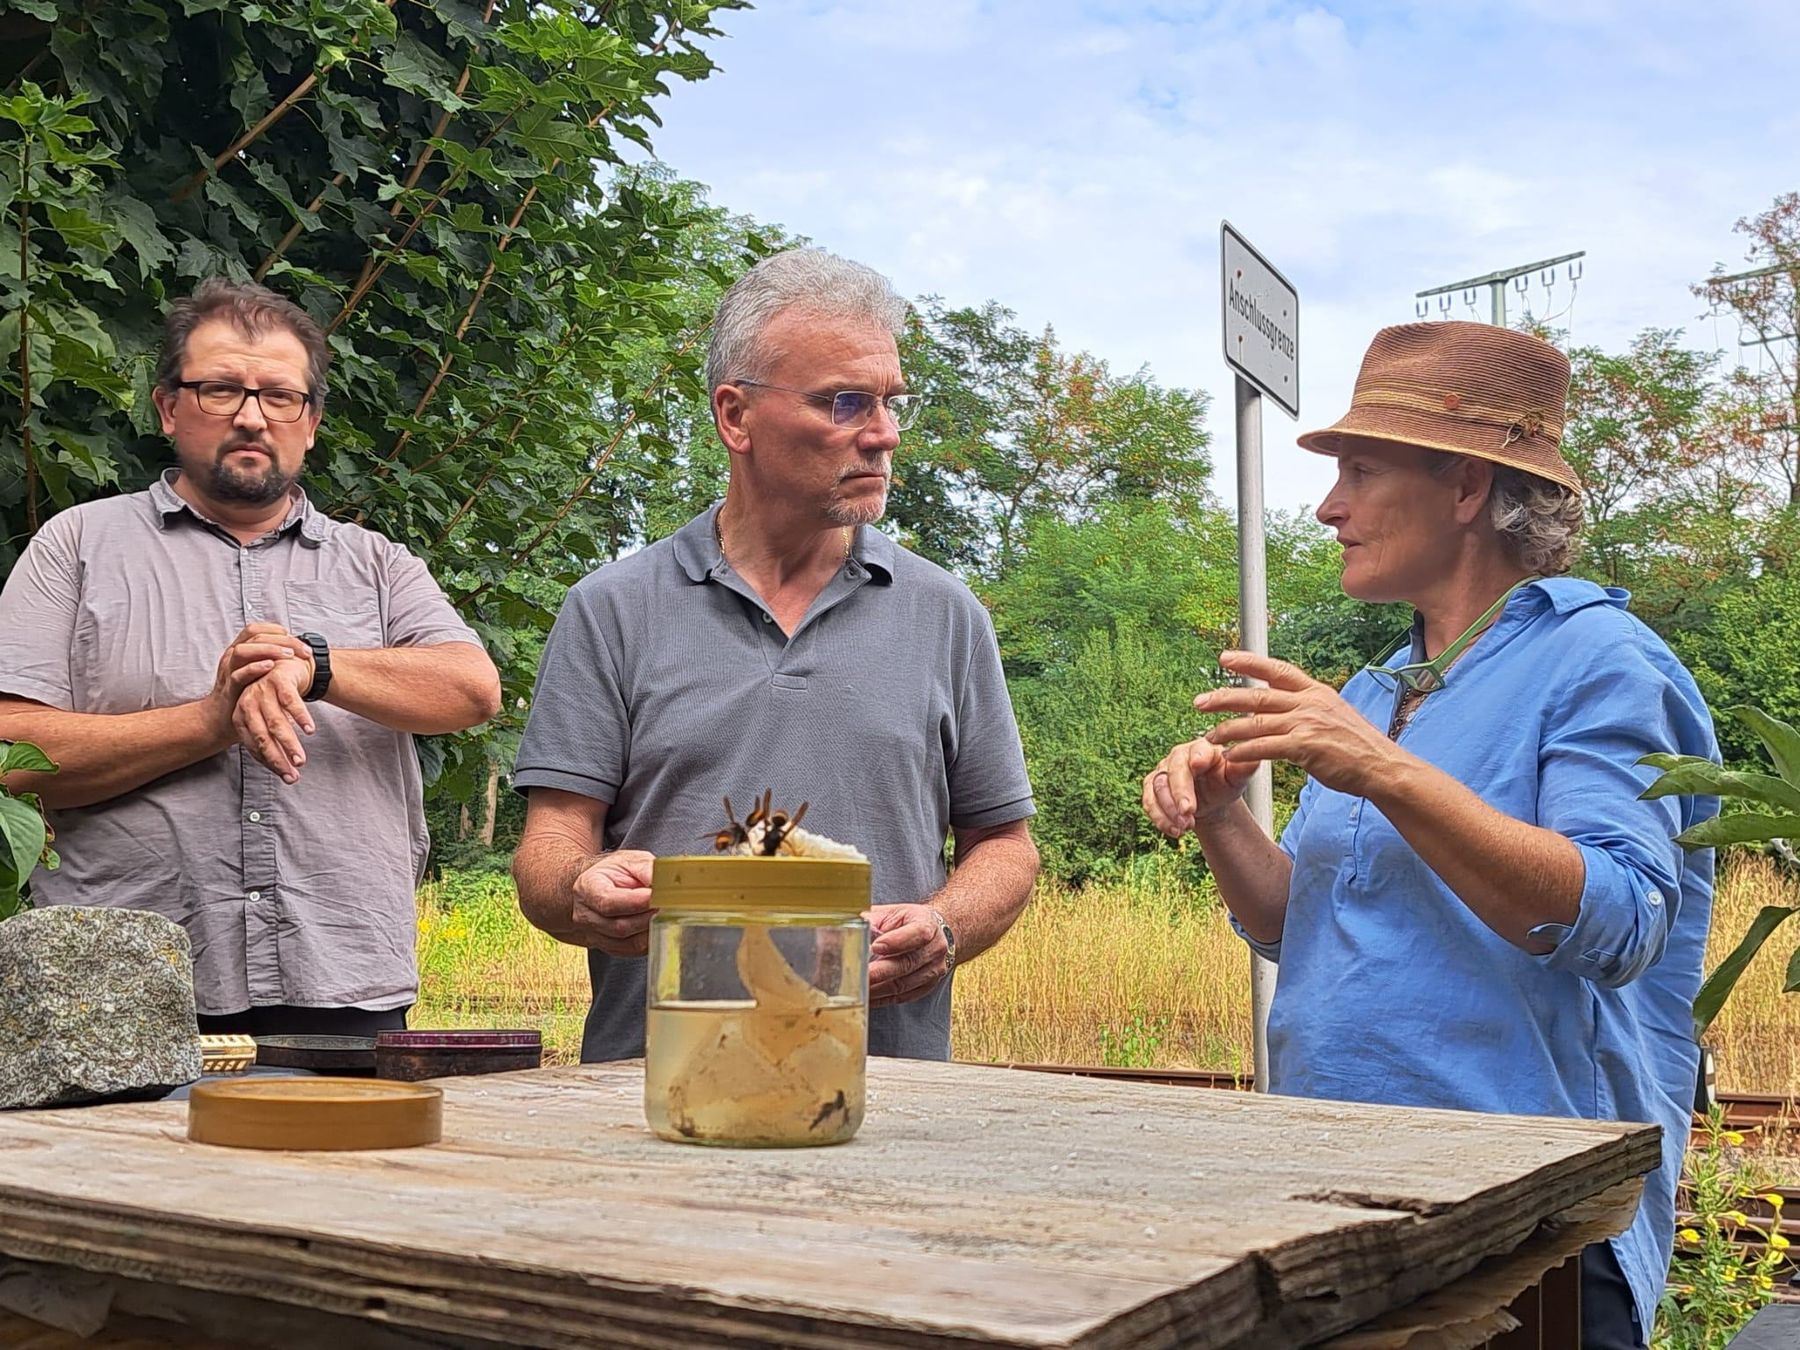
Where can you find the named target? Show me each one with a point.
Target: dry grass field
(1150, 975)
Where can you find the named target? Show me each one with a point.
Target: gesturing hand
(908, 956)
(1299, 720)
(1194, 781)
(612, 902)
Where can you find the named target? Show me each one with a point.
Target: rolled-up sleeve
(1615, 708)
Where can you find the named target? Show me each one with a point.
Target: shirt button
(255, 816)
(254, 895)
(768, 617)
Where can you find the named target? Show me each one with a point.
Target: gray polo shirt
(665, 686)
(299, 895)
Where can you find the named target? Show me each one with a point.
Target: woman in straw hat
(1472, 907)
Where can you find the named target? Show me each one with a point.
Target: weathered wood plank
(979, 1207)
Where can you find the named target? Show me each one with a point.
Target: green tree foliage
(1686, 497)
(1019, 429)
(1143, 565)
(1110, 626)
(1633, 436)
(1093, 725)
(421, 176)
(1674, 513)
(1749, 654)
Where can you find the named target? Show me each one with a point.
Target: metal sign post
(1262, 344)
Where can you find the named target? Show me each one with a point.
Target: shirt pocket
(346, 615)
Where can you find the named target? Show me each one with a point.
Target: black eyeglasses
(854, 407)
(221, 398)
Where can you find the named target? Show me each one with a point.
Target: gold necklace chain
(719, 530)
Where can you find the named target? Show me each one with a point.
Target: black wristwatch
(321, 654)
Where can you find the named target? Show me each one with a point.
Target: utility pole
(1496, 284)
(1767, 340)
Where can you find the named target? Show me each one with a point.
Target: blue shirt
(1391, 990)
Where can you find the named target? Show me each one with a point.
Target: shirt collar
(313, 525)
(697, 549)
(1562, 595)
(1565, 595)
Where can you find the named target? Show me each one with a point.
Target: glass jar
(757, 1026)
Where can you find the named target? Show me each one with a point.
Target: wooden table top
(978, 1207)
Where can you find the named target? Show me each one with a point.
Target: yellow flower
(1733, 1138)
(1773, 1199)
(1764, 1282)
(1688, 1235)
(1736, 1216)
(424, 924)
(1778, 1242)
(1729, 1275)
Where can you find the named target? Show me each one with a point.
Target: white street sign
(1262, 320)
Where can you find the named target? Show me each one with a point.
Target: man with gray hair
(780, 641)
(230, 682)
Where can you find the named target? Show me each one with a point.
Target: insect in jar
(768, 832)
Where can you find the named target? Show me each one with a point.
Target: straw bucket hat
(1463, 388)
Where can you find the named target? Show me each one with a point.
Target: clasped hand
(258, 697)
(908, 955)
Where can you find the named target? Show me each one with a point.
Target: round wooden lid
(315, 1113)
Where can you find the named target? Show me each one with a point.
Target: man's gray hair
(809, 279)
(1539, 522)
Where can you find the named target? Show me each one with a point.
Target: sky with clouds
(1073, 161)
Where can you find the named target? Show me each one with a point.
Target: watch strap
(949, 940)
(321, 654)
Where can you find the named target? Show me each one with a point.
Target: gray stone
(94, 1003)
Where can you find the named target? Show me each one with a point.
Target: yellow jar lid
(714, 884)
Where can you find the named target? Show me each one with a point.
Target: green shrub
(1136, 1045)
(24, 836)
(1093, 727)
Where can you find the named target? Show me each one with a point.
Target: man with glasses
(780, 642)
(230, 682)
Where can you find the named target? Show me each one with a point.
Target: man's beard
(857, 512)
(227, 484)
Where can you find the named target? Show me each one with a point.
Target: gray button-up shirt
(300, 895)
(666, 685)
